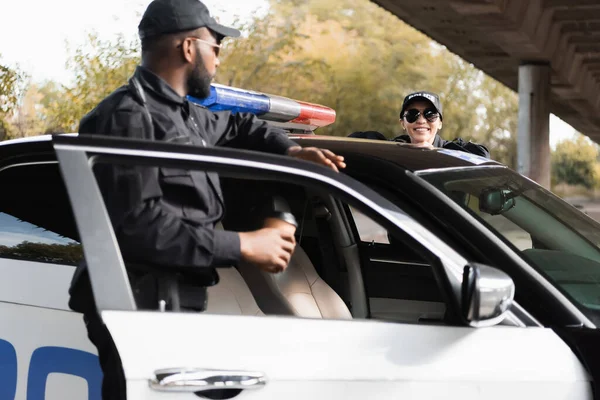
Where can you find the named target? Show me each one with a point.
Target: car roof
(404, 155)
(26, 149)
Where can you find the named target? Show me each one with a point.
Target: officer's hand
(320, 156)
(270, 249)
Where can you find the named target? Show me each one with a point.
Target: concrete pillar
(533, 140)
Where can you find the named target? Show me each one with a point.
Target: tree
(10, 81)
(333, 53)
(498, 109)
(575, 162)
(70, 254)
(350, 55)
(28, 118)
(360, 60)
(99, 69)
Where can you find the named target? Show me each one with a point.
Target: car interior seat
(231, 295)
(299, 290)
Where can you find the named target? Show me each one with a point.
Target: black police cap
(433, 98)
(170, 16)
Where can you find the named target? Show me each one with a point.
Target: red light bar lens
(314, 114)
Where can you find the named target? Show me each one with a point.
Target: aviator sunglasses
(430, 115)
(215, 46)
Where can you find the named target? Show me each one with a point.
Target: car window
(319, 269)
(553, 236)
(399, 282)
(511, 231)
(24, 241)
(368, 230)
(36, 222)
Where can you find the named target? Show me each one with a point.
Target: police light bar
(281, 111)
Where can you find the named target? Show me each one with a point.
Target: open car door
(170, 355)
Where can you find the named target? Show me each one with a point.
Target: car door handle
(200, 380)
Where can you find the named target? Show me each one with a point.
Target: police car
(419, 274)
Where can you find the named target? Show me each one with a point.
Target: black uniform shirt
(166, 215)
(456, 144)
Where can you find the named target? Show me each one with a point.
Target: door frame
(78, 155)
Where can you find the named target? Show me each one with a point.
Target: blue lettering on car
(62, 360)
(45, 361)
(8, 370)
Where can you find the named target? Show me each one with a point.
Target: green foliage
(575, 162)
(30, 117)
(360, 60)
(350, 55)
(69, 254)
(10, 80)
(106, 66)
(8, 88)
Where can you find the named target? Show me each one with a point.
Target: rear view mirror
(487, 295)
(496, 201)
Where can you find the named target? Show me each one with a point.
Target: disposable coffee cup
(281, 220)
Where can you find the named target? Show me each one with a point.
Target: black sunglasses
(430, 115)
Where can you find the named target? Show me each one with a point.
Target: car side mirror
(487, 295)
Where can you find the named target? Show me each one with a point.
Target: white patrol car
(419, 274)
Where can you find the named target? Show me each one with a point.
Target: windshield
(552, 235)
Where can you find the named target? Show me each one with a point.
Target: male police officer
(166, 216)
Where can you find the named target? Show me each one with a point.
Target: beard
(198, 82)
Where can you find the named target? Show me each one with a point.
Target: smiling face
(427, 124)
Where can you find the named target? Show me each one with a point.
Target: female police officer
(421, 118)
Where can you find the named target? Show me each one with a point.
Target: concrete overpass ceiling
(499, 35)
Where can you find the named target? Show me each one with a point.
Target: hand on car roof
(320, 156)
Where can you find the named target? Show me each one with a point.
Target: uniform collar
(155, 84)
(437, 141)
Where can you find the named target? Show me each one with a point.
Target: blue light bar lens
(234, 100)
